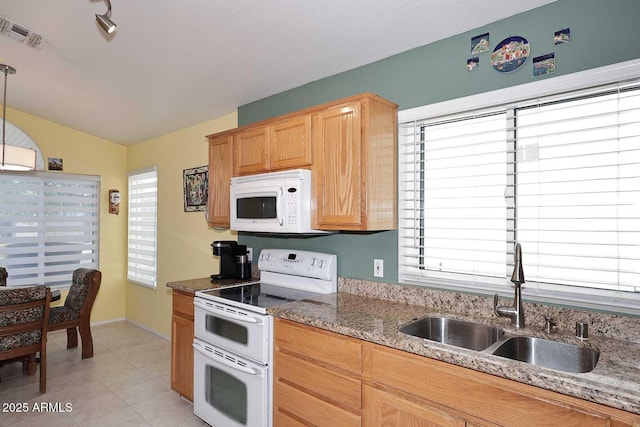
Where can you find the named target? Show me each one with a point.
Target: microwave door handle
(280, 206)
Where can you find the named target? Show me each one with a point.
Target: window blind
(49, 226)
(578, 188)
(560, 175)
(142, 229)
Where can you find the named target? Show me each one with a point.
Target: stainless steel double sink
(492, 340)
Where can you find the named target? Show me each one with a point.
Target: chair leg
(43, 371)
(72, 337)
(29, 365)
(87, 340)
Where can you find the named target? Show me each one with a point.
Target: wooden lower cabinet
(327, 379)
(182, 344)
(382, 408)
(316, 377)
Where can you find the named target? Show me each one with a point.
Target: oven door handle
(224, 362)
(221, 313)
(239, 318)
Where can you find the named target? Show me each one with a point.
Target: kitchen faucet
(516, 312)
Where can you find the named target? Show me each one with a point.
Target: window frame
(611, 301)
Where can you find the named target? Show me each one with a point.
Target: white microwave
(274, 202)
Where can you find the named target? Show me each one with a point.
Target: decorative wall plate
(510, 54)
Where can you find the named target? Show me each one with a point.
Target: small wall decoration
(562, 36)
(510, 54)
(480, 44)
(54, 164)
(472, 63)
(114, 201)
(196, 188)
(545, 64)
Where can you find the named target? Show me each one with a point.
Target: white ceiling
(172, 64)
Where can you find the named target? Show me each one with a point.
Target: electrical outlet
(250, 254)
(378, 268)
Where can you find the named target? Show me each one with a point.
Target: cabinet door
(182, 356)
(290, 143)
(337, 166)
(250, 150)
(220, 169)
(381, 408)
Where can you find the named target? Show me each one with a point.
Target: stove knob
(313, 262)
(322, 264)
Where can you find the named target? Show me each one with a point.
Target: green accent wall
(603, 32)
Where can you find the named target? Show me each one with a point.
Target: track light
(105, 20)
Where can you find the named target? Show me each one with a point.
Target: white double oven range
(233, 357)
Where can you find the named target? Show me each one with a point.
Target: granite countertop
(204, 283)
(614, 382)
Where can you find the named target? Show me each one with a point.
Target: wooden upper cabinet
(349, 145)
(285, 144)
(337, 175)
(220, 170)
(290, 143)
(250, 151)
(354, 168)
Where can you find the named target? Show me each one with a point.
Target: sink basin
(474, 336)
(549, 354)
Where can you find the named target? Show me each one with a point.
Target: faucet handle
(495, 305)
(549, 324)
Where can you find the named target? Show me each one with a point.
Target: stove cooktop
(255, 297)
(286, 275)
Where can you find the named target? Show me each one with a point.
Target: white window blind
(560, 175)
(143, 227)
(49, 226)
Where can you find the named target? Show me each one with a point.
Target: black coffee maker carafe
(234, 263)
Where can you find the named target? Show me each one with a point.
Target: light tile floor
(126, 383)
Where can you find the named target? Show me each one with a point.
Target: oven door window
(227, 329)
(256, 207)
(227, 394)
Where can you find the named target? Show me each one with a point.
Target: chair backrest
(24, 316)
(85, 283)
(3, 276)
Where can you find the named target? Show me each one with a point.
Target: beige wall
(184, 239)
(86, 154)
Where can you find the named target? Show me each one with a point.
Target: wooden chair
(76, 312)
(24, 318)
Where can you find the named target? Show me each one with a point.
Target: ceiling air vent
(21, 34)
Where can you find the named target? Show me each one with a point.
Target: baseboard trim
(146, 328)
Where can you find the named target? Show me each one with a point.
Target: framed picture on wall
(195, 182)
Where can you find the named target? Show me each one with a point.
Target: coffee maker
(234, 263)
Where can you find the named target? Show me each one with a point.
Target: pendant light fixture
(12, 157)
(105, 20)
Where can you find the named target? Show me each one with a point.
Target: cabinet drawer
(330, 348)
(183, 304)
(336, 388)
(313, 411)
